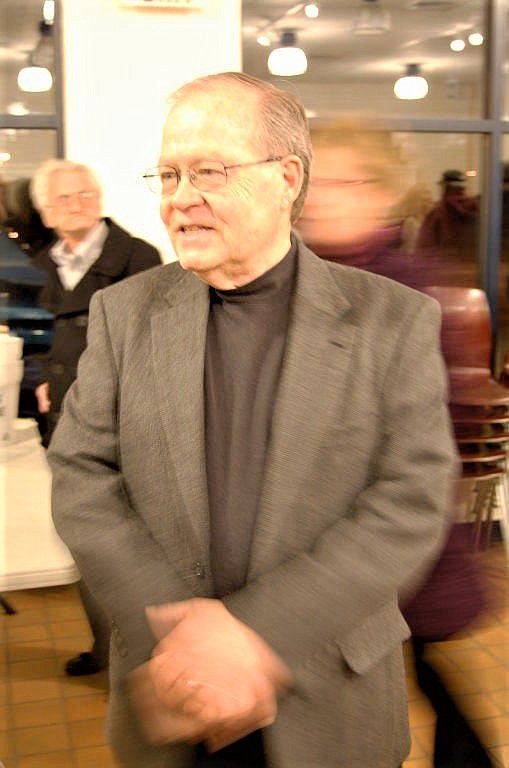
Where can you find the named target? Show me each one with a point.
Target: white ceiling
(421, 31)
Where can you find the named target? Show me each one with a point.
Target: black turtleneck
(246, 336)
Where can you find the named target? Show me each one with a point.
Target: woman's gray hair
(283, 126)
(41, 181)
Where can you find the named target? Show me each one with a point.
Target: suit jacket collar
(312, 379)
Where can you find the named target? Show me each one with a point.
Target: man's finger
(163, 618)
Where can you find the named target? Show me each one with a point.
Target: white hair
(41, 181)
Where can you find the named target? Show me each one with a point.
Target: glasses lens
(207, 175)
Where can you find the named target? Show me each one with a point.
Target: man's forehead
(215, 110)
(70, 177)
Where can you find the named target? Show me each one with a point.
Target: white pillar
(120, 64)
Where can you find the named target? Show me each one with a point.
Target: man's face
(345, 203)
(231, 231)
(74, 204)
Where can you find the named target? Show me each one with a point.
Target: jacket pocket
(368, 643)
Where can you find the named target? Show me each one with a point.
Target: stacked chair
(479, 408)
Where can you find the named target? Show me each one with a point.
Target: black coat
(122, 256)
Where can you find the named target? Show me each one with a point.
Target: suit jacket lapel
(178, 352)
(313, 376)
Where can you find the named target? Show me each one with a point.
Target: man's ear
(293, 172)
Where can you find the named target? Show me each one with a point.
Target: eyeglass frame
(149, 177)
(84, 196)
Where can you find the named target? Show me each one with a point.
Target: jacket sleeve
(330, 597)
(122, 564)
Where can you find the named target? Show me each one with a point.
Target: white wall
(119, 67)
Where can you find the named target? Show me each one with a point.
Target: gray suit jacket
(352, 507)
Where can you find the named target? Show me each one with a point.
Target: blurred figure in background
(451, 227)
(348, 218)
(411, 210)
(89, 253)
(23, 222)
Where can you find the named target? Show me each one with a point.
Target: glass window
(27, 57)
(357, 50)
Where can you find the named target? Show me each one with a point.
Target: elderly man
(258, 456)
(90, 253)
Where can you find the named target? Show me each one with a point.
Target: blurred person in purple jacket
(452, 225)
(350, 217)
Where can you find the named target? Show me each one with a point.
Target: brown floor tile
(25, 634)
(27, 599)
(87, 733)
(34, 741)
(477, 706)
(34, 669)
(442, 661)
(34, 690)
(4, 718)
(492, 636)
(68, 611)
(461, 683)
(500, 652)
(501, 755)
(99, 757)
(426, 738)
(65, 647)
(491, 679)
(6, 744)
(61, 759)
(85, 707)
(472, 658)
(501, 699)
(31, 714)
(3, 652)
(416, 750)
(494, 732)
(74, 628)
(421, 762)
(413, 690)
(10, 763)
(37, 649)
(25, 617)
(420, 713)
(3, 694)
(85, 686)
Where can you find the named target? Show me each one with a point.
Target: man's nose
(186, 194)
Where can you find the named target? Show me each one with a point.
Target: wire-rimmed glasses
(205, 175)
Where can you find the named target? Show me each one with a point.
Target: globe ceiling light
(476, 38)
(48, 11)
(312, 10)
(412, 86)
(457, 45)
(372, 19)
(34, 79)
(288, 60)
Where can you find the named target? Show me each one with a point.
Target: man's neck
(226, 279)
(73, 239)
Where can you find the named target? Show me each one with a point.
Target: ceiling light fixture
(372, 19)
(312, 10)
(288, 60)
(48, 11)
(34, 79)
(457, 45)
(263, 40)
(476, 38)
(5, 157)
(413, 85)
(17, 108)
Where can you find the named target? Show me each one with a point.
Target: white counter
(31, 552)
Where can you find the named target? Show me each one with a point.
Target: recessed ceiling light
(263, 40)
(5, 157)
(17, 108)
(312, 10)
(457, 45)
(476, 38)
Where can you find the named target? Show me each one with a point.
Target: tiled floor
(48, 720)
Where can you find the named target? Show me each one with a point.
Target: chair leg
(483, 493)
(504, 512)
(8, 609)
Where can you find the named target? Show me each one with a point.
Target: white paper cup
(11, 348)
(11, 374)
